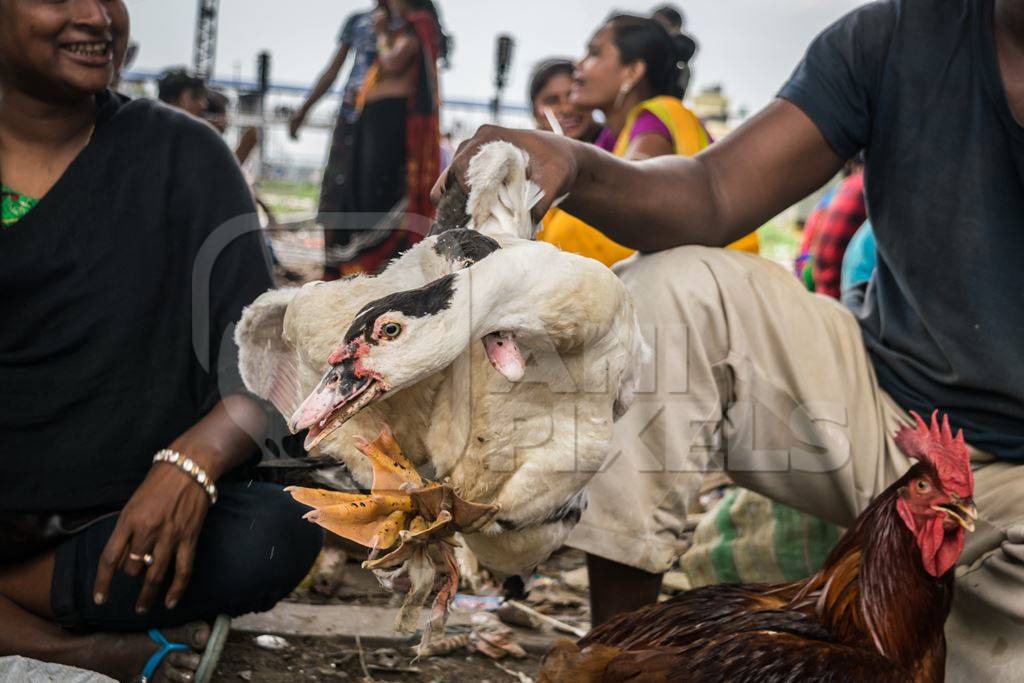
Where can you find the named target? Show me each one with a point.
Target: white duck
(409, 356)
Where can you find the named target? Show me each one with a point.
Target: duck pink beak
(504, 354)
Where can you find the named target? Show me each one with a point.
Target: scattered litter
(496, 644)
(675, 582)
(245, 675)
(549, 593)
(476, 603)
(577, 578)
(269, 642)
(511, 614)
(550, 621)
(362, 659)
(442, 647)
(393, 669)
(518, 675)
(330, 672)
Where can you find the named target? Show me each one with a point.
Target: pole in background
(503, 62)
(262, 88)
(204, 52)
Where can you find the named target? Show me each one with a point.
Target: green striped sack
(748, 538)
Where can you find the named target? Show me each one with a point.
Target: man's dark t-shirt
(916, 83)
(115, 286)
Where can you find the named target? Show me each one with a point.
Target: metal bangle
(190, 468)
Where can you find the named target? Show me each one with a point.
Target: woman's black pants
(254, 549)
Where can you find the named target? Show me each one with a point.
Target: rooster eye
(923, 486)
(390, 330)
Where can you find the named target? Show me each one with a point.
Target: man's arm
(713, 199)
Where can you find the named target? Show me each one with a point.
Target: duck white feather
(501, 196)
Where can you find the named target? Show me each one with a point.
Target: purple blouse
(646, 122)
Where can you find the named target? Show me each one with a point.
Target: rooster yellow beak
(963, 512)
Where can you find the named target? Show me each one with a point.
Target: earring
(623, 91)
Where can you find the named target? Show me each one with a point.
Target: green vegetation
(779, 242)
(288, 197)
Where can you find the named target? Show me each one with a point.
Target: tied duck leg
(412, 521)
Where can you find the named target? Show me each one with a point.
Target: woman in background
(551, 96)
(629, 72)
(358, 40)
(396, 142)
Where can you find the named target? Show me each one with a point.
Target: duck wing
(266, 359)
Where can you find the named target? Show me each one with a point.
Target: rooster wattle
(875, 612)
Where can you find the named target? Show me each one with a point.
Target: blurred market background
(265, 55)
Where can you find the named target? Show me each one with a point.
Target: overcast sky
(750, 46)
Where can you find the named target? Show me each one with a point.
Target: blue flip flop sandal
(211, 655)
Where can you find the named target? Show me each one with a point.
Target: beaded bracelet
(190, 468)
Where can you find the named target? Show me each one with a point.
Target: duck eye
(923, 486)
(390, 330)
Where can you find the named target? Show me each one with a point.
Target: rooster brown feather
(875, 612)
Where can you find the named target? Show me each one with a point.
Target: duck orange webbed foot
(412, 521)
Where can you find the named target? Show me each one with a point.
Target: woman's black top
(118, 294)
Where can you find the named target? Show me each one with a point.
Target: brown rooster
(875, 612)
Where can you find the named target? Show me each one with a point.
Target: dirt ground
(307, 659)
(330, 659)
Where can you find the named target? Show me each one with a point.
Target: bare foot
(123, 656)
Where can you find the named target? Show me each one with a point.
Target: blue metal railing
(143, 76)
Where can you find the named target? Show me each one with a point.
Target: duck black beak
(340, 395)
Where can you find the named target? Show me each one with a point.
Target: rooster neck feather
(873, 583)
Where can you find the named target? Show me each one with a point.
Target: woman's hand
(164, 516)
(296, 122)
(163, 519)
(555, 162)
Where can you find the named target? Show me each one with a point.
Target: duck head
(393, 343)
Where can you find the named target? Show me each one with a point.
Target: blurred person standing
(629, 74)
(675, 23)
(179, 88)
(396, 147)
(386, 145)
(859, 264)
(216, 114)
(845, 215)
(216, 111)
(802, 264)
(357, 38)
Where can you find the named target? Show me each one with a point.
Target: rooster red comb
(946, 453)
